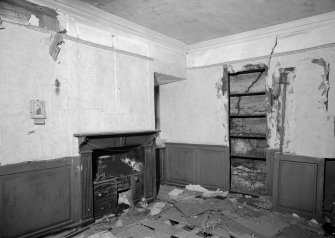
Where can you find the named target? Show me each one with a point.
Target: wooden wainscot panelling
(160, 165)
(298, 185)
(37, 197)
(150, 172)
(207, 165)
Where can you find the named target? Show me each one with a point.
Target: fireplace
(112, 163)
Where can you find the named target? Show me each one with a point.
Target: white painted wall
(99, 93)
(309, 128)
(193, 110)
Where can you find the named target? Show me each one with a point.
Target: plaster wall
(291, 36)
(168, 60)
(98, 92)
(308, 128)
(194, 110)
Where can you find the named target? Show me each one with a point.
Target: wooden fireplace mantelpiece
(88, 142)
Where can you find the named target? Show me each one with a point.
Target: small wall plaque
(37, 111)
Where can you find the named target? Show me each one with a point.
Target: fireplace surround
(112, 162)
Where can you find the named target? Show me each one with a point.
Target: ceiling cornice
(82, 10)
(279, 30)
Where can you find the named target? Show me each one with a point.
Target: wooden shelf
(245, 192)
(247, 72)
(248, 136)
(244, 156)
(246, 115)
(246, 94)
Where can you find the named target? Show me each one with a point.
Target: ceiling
(193, 21)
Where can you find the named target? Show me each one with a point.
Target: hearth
(112, 163)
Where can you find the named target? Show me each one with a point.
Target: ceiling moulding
(280, 30)
(90, 14)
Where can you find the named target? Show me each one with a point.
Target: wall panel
(38, 196)
(207, 165)
(298, 185)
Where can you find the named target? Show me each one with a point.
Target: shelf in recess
(246, 115)
(246, 94)
(244, 156)
(251, 136)
(246, 192)
(247, 72)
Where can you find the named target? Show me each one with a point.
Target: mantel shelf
(115, 133)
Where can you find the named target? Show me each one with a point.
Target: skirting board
(298, 185)
(207, 165)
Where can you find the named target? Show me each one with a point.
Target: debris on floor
(188, 213)
(157, 208)
(175, 192)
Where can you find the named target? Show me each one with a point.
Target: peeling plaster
(230, 68)
(1, 26)
(33, 20)
(287, 79)
(324, 86)
(56, 41)
(219, 88)
(254, 66)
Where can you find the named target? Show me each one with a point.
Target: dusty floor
(191, 214)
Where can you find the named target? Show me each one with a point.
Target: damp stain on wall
(324, 86)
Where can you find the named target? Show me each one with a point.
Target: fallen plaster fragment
(324, 86)
(175, 192)
(157, 208)
(56, 41)
(33, 20)
(205, 192)
(123, 198)
(103, 234)
(196, 188)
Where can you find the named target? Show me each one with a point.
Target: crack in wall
(272, 51)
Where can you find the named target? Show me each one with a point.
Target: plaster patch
(219, 88)
(254, 66)
(230, 68)
(33, 20)
(324, 86)
(56, 41)
(63, 20)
